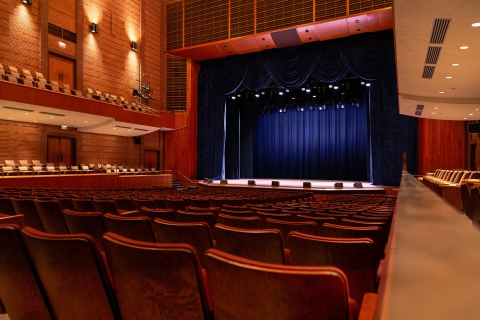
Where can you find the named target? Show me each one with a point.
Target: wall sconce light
(134, 46)
(94, 27)
(27, 1)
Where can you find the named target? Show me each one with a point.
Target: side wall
(28, 141)
(441, 145)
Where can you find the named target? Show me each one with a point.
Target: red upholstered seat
(137, 228)
(86, 222)
(247, 289)
(73, 274)
(240, 222)
(156, 281)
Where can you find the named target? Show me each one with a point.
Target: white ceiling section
(84, 122)
(413, 24)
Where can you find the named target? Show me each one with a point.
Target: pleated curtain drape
(368, 56)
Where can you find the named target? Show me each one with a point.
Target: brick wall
(20, 34)
(28, 141)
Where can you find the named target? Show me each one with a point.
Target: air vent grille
(439, 30)
(138, 129)
(205, 21)
(176, 91)
(358, 6)
(278, 14)
(122, 127)
(18, 109)
(329, 9)
(62, 33)
(428, 72)
(174, 25)
(242, 16)
(432, 55)
(52, 114)
(419, 109)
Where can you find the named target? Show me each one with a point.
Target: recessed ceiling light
(449, 77)
(433, 112)
(470, 114)
(476, 109)
(26, 113)
(35, 120)
(441, 92)
(464, 47)
(476, 24)
(86, 121)
(455, 64)
(314, 96)
(10, 118)
(464, 118)
(114, 128)
(51, 117)
(336, 87)
(436, 108)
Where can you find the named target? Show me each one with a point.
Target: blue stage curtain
(331, 66)
(211, 130)
(369, 56)
(391, 134)
(313, 144)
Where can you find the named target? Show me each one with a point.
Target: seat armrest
(368, 306)
(380, 270)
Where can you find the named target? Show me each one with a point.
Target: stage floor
(325, 185)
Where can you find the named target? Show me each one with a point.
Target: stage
(318, 187)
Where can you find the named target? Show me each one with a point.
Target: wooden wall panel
(441, 145)
(88, 181)
(180, 146)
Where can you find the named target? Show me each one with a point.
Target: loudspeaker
(275, 183)
(137, 140)
(223, 181)
(251, 182)
(210, 180)
(338, 185)
(357, 185)
(307, 184)
(205, 180)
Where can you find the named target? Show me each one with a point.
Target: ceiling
(84, 122)
(413, 24)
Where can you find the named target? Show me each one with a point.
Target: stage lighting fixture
(257, 95)
(281, 110)
(301, 109)
(284, 110)
(303, 88)
(275, 183)
(307, 89)
(357, 105)
(342, 106)
(314, 96)
(286, 90)
(94, 27)
(280, 92)
(239, 95)
(367, 84)
(27, 1)
(233, 98)
(263, 92)
(330, 86)
(335, 87)
(134, 46)
(362, 83)
(311, 108)
(338, 106)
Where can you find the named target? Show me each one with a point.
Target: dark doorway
(61, 150)
(151, 159)
(473, 153)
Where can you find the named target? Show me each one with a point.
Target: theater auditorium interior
(239, 159)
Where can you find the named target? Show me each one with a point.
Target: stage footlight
(251, 182)
(358, 185)
(338, 185)
(307, 184)
(275, 183)
(223, 181)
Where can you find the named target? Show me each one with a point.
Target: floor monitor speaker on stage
(223, 181)
(338, 185)
(210, 180)
(251, 182)
(206, 180)
(358, 185)
(275, 183)
(307, 184)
